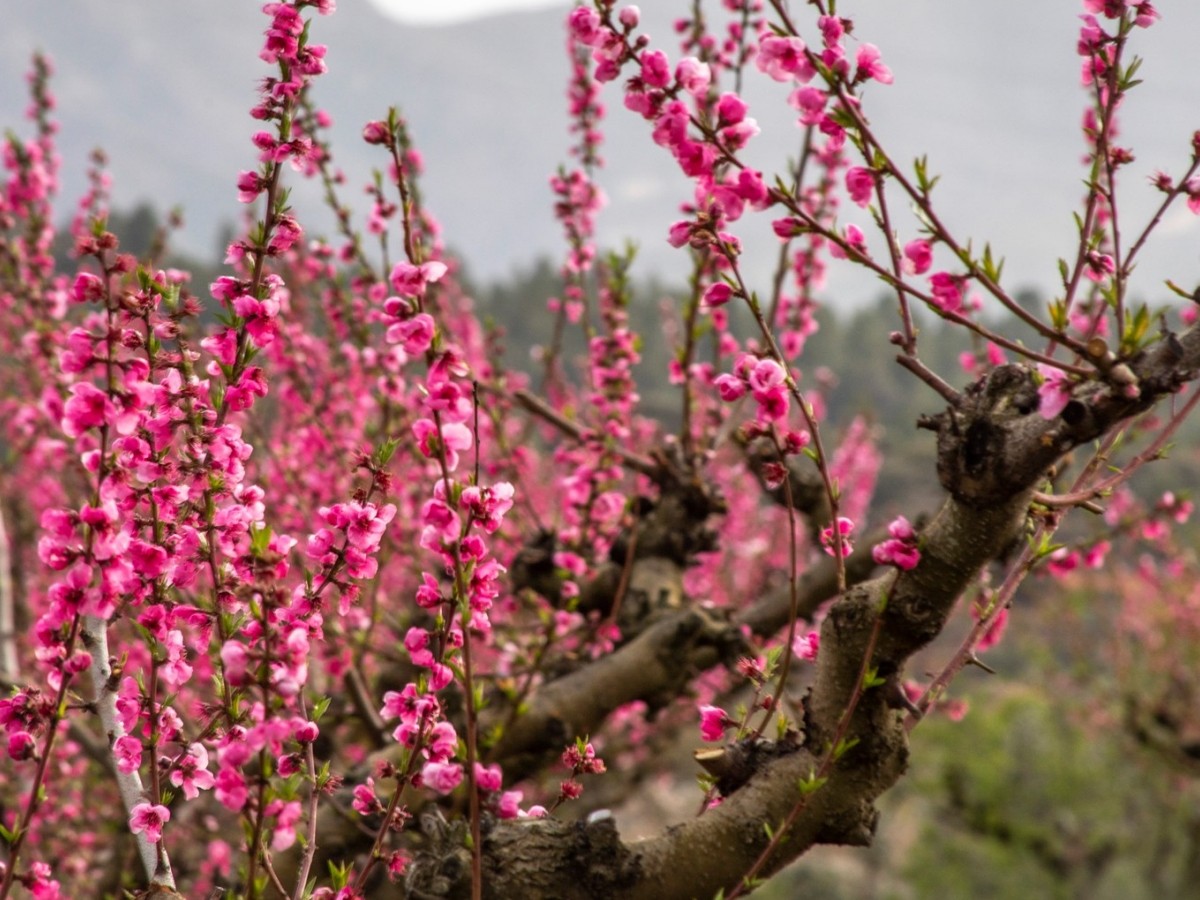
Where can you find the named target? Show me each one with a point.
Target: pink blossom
(947, 290)
(376, 133)
(1054, 392)
(810, 102)
(783, 58)
(581, 758)
(415, 335)
(717, 294)
(870, 65)
(231, 790)
(855, 244)
(845, 527)
(150, 819)
(713, 722)
(509, 804)
(730, 387)
(680, 233)
(693, 75)
(900, 554)
(453, 437)
(991, 637)
(408, 280)
(585, 26)
(731, 108)
(918, 256)
(805, 646)
(88, 288)
(365, 802)
(442, 743)
(900, 550)
(1099, 266)
(488, 778)
(860, 183)
(250, 185)
(442, 777)
(127, 751)
(21, 746)
(191, 772)
(88, 407)
(656, 69)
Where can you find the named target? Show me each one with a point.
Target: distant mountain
(988, 90)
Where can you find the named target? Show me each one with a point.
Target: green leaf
(844, 746)
(385, 453)
(811, 783)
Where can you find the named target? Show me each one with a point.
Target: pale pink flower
(783, 58)
(1054, 392)
(693, 75)
(870, 65)
(845, 527)
(805, 646)
(410, 281)
(191, 772)
(442, 777)
(509, 804)
(127, 750)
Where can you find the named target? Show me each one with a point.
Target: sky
(445, 12)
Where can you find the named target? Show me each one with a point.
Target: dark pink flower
(656, 69)
(1099, 266)
(713, 722)
(947, 290)
(918, 256)
(585, 26)
(680, 233)
(717, 294)
(21, 745)
(150, 819)
(731, 108)
(860, 183)
(88, 288)
(376, 133)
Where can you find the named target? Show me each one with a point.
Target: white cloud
(445, 12)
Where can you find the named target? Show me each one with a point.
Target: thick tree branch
(993, 449)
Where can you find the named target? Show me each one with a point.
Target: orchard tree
(305, 594)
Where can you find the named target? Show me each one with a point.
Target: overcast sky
(443, 12)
